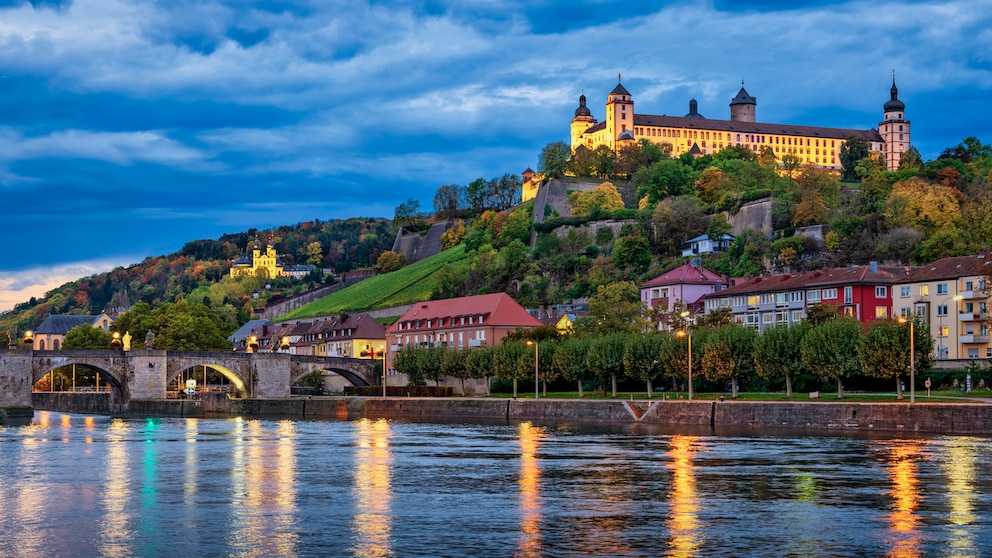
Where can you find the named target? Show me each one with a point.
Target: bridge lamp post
(252, 344)
(115, 341)
(284, 343)
(688, 334)
(912, 357)
(29, 338)
(537, 381)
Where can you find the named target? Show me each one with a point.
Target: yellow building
(696, 134)
(530, 183)
(255, 259)
(951, 295)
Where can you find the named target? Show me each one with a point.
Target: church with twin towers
(699, 135)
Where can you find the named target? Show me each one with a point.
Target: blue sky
(130, 128)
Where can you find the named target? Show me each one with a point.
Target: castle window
(738, 138)
(900, 127)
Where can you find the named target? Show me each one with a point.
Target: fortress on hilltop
(698, 135)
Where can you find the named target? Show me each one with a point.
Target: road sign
(190, 391)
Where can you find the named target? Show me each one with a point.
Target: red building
(864, 292)
(458, 323)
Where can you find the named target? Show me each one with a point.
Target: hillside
(412, 283)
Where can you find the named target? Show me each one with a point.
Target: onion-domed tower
(894, 128)
(583, 121)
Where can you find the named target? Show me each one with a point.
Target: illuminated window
(881, 313)
(924, 290)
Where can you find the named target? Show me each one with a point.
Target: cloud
(20, 286)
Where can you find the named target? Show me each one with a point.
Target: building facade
(953, 298)
(263, 261)
(682, 287)
(50, 335)
(694, 133)
(862, 292)
(458, 323)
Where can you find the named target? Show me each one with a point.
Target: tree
(851, 151)
(390, 261)
(505, 358)
(480, 364)
(506, 192)
(831, 349)
(447, 201)
(728, 354)
(617, 308)
(429, 361)
(407, 212)
(602, 198)
(605, 359)
(554, 159)
(632, 251)
(570, 360)
(917, 203)
(86, 337)
(778, 355)
(454, 364)
(315, 254)
(642, 358)
(883, 354)
(911, 159)
(406, 362)
(664, 178)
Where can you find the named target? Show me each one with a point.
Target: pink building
(687, 284)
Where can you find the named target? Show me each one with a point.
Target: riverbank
(945, 418)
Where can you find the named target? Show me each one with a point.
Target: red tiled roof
(684, 274)
(498, 310)
(862, 274)
(952, 268)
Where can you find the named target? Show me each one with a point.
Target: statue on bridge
(149, 340)
(12, 338)
(127, 341)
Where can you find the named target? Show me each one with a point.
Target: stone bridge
(146, 374)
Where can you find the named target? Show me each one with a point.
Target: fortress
(698, 135)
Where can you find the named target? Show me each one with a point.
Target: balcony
(973, 316)
(972, 338)
(973, 295)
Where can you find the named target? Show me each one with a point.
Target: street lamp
(252, 344)
(115, 341)
(912, 357)
(29, 338)
(940, 317)
(284, 343)
(686, 333)
(536, 375)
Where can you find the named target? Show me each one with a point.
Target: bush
(400, 391)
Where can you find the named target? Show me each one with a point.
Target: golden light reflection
(372, 524)
(28, 496)
(530, 490)
(961, 468)
(190, 469)
(683, 524)
(116, 531)
(267, 506)
(903, 520)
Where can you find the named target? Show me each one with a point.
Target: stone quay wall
(922, 417)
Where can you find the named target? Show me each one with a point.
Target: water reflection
(265, 513)
(372, 523)
(116, 531)
(683, 523)
(904, 519)
(530, 490)
(960, 466)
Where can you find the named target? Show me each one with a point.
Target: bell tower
(619, 113)
(894, 128)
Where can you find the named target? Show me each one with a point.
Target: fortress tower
(583, 121)
(743, 106)
(619, 113)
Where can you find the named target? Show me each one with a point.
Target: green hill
(412, 283)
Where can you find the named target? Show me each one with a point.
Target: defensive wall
(897, 416)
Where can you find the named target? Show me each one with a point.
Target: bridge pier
(146, 372)
(15, 384)
(275, 381)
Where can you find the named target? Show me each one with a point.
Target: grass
(410, 284)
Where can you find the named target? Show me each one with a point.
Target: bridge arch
(239, 385)
(106, 366)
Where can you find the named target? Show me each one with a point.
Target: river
(75, 485)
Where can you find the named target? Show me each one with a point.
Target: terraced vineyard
(411, 284)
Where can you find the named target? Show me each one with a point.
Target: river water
(74, 485)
